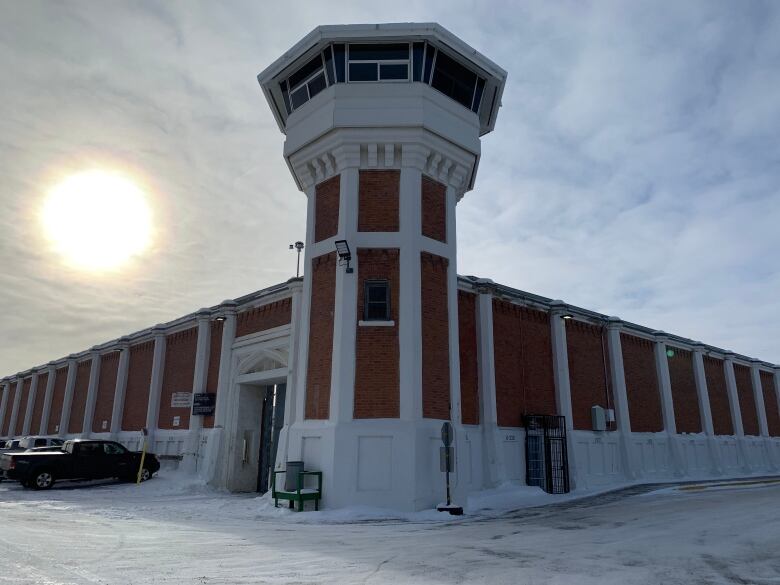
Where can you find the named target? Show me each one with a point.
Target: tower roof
(390, 53)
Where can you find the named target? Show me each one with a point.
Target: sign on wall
(204, 403)
(181, 399)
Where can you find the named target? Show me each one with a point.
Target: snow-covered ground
(175, 530)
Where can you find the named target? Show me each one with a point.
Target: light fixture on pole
(567, 317)
(345, 256)
(299, 247)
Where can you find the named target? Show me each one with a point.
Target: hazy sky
(634, 169)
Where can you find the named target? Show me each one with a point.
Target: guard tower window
(372, 62)
(393, 62)
(304, 84)
(454, 80)
(376, 301)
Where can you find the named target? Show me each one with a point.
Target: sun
(97, 220)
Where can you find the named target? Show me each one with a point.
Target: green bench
(300, 495)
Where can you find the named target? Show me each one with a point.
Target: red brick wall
(76, 421)
(376, 352)
(212, 377)
(178, 376)
(9, 407)
(644, 396)
(326, 209)
(719, 398)
(57, 398)
(23, 406)
(747, 401)
(323, 280)
(104, 404)
(770, 404)
(139, 377)
(40, 397)
(588, 372)
(685, 399)
(264, 317)
(435, 337)
(434, 209)
(378, 196)
(467, 350)
(523, 362)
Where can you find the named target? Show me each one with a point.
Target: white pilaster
(562, 383)
(190, 459)
(763, 426)
(460, 487)
(15, 406)
(291, 406)
(228, 310)
(736, 411)
(493, 466)
(705, 411)
(222, 407)
(667, 403)
(731, 389)
(410, 304)
(4, 404)
(305, 313)
(67, 400)
(118, 407)
(155, 385)
(51, 369)
(620, 396)
(342, 381)
(452, 308)
(758, 396)
(28, 413)
(92, 390)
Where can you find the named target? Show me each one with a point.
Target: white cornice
(358, 147)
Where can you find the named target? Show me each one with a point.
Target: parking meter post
(143, 456)
(447, 474)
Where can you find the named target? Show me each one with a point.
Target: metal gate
(546, 461)
(271, 425)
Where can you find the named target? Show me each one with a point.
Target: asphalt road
(120, 534)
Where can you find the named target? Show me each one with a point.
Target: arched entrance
(260, 392)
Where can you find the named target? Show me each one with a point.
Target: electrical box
(598, 418)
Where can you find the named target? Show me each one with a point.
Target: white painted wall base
(386, 463)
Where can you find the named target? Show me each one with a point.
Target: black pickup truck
(79, 459)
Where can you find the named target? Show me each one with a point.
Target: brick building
(354, 367)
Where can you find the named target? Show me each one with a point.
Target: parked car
(79, 459)
(10, 445)
(48, 449)
(24, 443)
(39, 441)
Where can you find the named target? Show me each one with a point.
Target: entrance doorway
(270, 426)
(546, 460)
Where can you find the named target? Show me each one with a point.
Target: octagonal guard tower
(383, 126)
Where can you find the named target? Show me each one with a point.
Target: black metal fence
(546, 459)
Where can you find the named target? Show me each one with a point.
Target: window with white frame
(305, 83)
(378, 62)
(376, 300)
(386, 62)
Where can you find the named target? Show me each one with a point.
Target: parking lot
(175, 530)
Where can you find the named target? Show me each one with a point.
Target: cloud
(633, 169)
